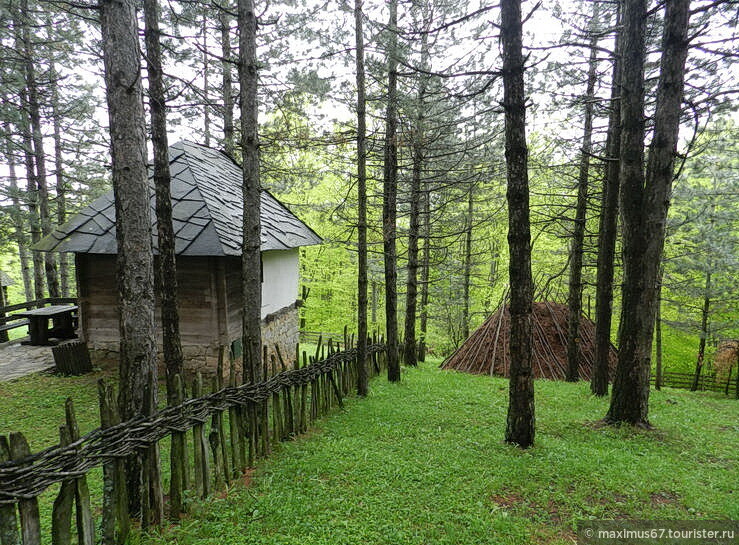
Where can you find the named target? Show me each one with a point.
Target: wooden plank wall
(233, 294)
(99, 300)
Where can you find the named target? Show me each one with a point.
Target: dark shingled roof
(206, 212)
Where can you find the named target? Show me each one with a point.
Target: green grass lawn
(423, 462)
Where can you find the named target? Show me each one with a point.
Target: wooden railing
(706, 382)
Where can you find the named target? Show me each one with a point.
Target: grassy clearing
(34, 406)
(423, 462)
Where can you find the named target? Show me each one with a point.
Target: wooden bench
(14, 324)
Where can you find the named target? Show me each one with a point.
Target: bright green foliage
(703, 242)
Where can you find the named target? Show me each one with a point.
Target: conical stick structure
(486, 352)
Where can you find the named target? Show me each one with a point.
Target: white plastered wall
(281, 279)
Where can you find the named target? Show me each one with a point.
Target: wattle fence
(244, 421)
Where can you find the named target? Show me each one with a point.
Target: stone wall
(281, 328)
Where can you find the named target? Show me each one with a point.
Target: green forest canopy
(308, 150)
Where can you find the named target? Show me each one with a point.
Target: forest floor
(423, 462)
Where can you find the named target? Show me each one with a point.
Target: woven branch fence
(276, 409)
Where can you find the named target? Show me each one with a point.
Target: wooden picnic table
(38, 323)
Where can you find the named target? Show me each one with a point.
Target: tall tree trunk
(32, 202)
(607, 230)
(645, 202)
(34, 110)
(251, 253)
(629, 382)
(61, 190)
(135, 275)
(466, 281)
(411, 293)
(574, 298)
(251, 259)
(520, 421)
(362, 380)
(374, 302)
(390, 195)
(206, 100)
(31, 186)
(224, 22)
(658, 335)
(166, 273)
(425, 262)
(705, 313)
(19, 232)
(166, 284)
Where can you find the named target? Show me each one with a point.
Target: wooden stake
(116, 523)
(234, 428)
(200, 447)
(85, 523)
(303, 400)
(277, 424)
(8, 521)
(221, 425)
(28, 509)
(215, 448)
(61, 515)
(177, 459)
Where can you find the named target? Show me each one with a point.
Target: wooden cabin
(207, 220)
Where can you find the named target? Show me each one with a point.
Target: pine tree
(645, 198)
(574, 298)
(362, 333)
(389, 203)
(607, 232)
(166, 284)
(520, 421)
(138, 366)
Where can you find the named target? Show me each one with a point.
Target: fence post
(303, 395)
(115, 497)
(289, 412)
(61, 515)
(8, 521)
(223, 473)
(177, 459)
(28, 509)
(276, 409)
(264, 431)
(336, 389)
(200, 447)
(313, 393)
(227, 466)
(234, 428)
(85, 524)
(215, 448)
